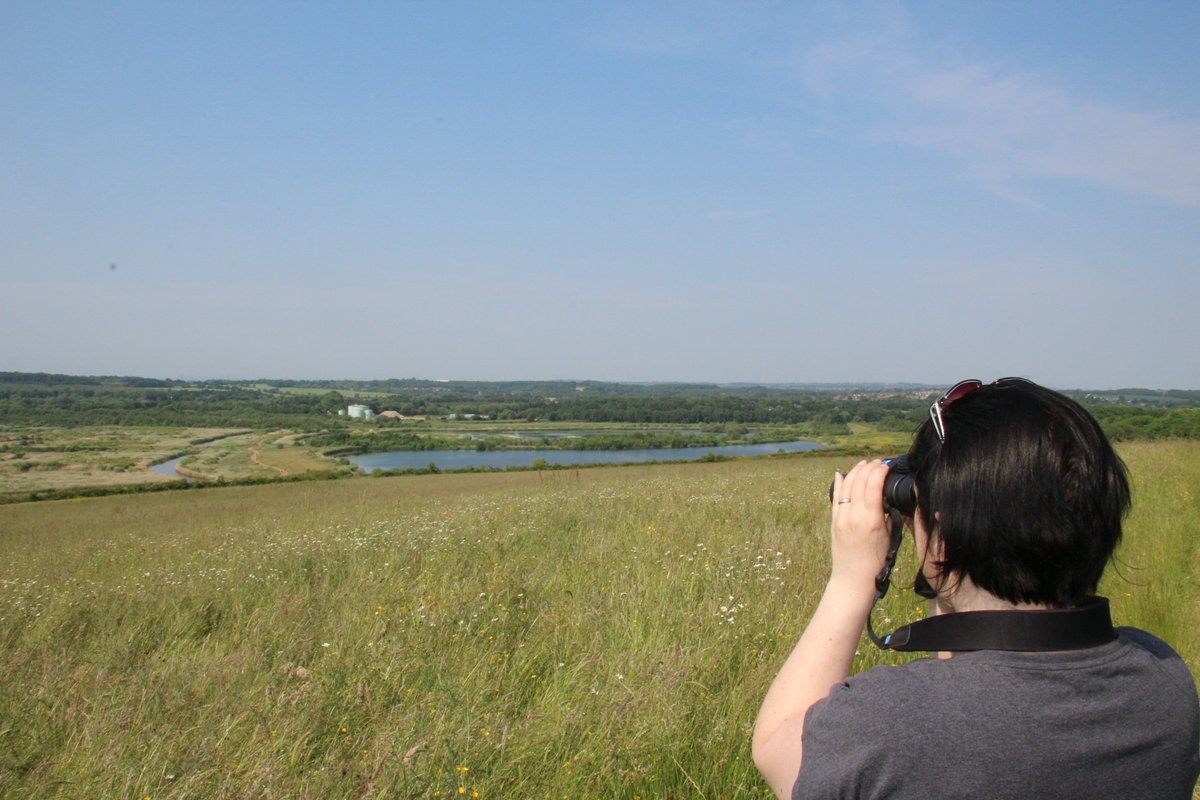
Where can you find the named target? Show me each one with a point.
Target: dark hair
(1026, 494)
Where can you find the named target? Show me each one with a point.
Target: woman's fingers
(862, 485)
(839, 484)
(859, 526)
(848, 484)
(873, 484)
(858, 492)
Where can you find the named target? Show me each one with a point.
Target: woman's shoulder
(1159, 658)
(1135, 655)
(1147, 641)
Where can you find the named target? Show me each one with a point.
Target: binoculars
(899, 489)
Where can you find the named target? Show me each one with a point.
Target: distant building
(360, 412)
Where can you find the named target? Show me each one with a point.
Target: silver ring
(844, 500)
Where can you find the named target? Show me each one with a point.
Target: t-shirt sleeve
(845, 747)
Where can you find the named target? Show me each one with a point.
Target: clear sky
(641, 191)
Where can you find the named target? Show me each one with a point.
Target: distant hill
(464, 390)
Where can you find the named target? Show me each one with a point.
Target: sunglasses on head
(955, 393)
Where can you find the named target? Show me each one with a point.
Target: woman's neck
(966, 596)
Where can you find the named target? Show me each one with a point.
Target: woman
(1019, 502)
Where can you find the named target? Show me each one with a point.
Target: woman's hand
(860, 529)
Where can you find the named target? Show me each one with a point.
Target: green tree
(331, 402)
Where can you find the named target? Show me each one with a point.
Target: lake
(502, 459)
(545, 435)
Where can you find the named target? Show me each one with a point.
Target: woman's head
(1024, 496)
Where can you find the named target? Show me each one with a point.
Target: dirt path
(254, 457)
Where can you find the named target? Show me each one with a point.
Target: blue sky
(614, 191)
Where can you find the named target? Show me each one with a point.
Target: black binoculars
(899, 489)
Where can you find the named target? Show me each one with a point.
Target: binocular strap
(1088, 624)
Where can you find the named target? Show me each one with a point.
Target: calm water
(501, 459)
(168, 467)
(544, 435)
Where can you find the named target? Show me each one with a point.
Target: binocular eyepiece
(899, 489)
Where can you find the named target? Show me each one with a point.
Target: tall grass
(601, 633)
(1155, 582)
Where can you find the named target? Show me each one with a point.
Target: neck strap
(1088, 624)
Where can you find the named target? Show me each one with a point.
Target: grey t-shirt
(1116, 721)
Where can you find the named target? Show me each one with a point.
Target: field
(594, 633)
(39, 459)
(66, 461)
(255, 454)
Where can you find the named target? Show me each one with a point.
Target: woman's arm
(825, 652)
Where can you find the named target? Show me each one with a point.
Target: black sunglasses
(955, 393)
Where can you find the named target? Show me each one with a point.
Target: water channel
(168, 468)
(502, 459)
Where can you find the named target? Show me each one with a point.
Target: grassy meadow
(255, 454)
(41, 458)
(36, 460)
(601, 633)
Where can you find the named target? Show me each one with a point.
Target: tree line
(64, 401)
